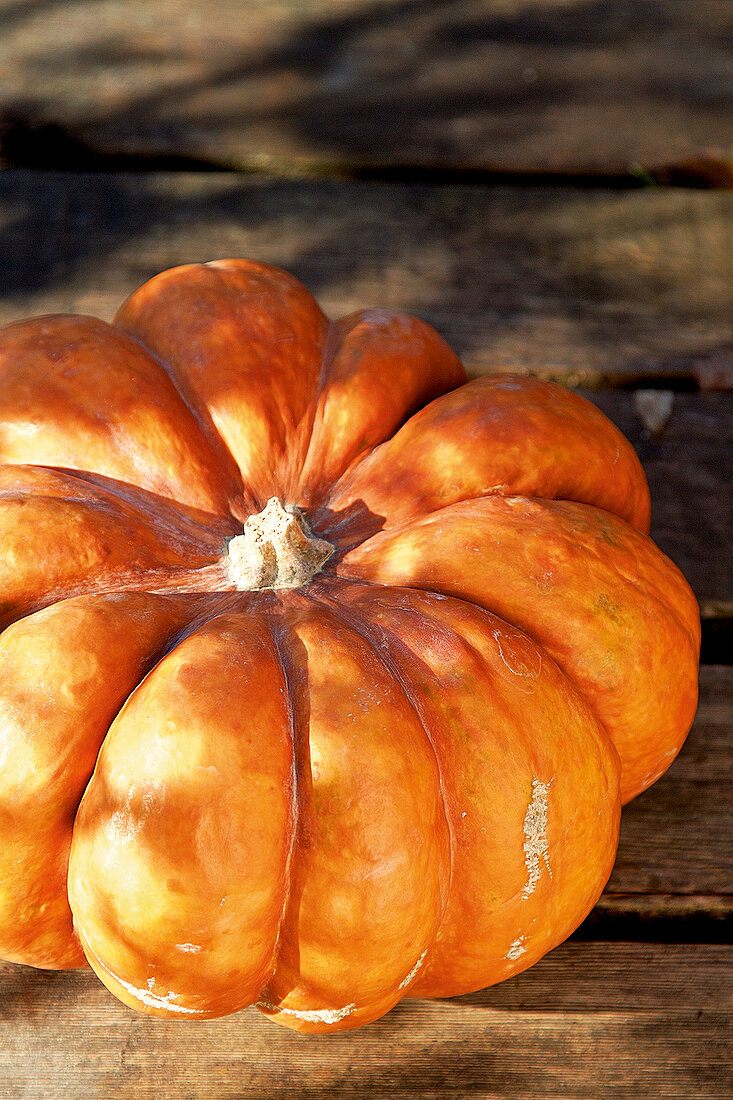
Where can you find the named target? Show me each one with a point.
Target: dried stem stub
(275, 550)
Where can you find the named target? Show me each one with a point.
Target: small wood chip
(654, 408)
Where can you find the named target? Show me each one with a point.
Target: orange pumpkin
(324, 672)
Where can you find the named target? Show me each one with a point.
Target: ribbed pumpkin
(324, 672)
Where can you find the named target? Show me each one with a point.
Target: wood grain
(589, 86)
(675, 838)
(689, 465)
(587, 287)
(590, 1020)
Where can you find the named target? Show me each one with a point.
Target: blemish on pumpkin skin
(517, 667)
(151, 999)
(605, 605)
(516, 949)
(545, 581)
(408, 977)
(535, 836)
(516, 662)
(311, 1016)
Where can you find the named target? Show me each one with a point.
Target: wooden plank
(499, 85)
(576, 286)
(618, 1021)
(588, 287)
(673, 877)
(675, 838)
(689, 465)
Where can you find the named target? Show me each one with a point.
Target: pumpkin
(324, 672)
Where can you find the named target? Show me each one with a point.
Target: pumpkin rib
(186, 551)
(61, 669)
(51, 387)
(238, 500)
(366, 630)
(243, 343)
(502, 435)
(354, 411)
(281, 480)
(322, 592)
(65, 535)
(540, 569)
(184, 524)
(180, 841)
(368, 867)
(470, 673)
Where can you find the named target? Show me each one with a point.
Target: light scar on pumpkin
(514, 663)
(313, 1015)
(333, 1015)
(516, 949)
(152, 1000)
(535, 836)
(408, 977)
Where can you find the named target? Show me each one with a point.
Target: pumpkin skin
(401, 777)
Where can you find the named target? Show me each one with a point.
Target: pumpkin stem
(275, 550)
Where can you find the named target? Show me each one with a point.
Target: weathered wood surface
(585, 286)
(689, 465)
(676, 837)
(595, 86)
(397, 100)
(617, 1021)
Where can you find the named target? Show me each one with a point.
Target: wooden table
(545, 182)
